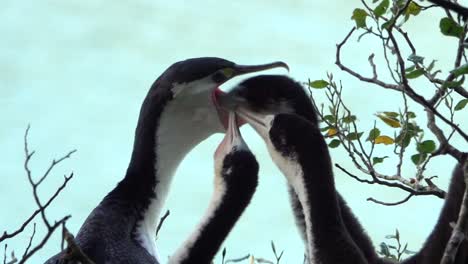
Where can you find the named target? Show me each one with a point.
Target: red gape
(223, 115)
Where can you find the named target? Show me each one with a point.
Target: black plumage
(111, 233)
(273, 94)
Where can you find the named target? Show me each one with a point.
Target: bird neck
(309, 172)
(225, 208)
(164, 135)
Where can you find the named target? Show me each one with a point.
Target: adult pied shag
(272, 94)
(236, 175)
(300, 151)
(178, 113)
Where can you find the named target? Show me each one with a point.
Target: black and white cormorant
(178, 112)
(273, 94)
(236, 175)
(299, 150)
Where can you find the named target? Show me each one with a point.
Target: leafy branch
(383, 22)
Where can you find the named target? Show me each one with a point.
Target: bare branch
(30, 249)
(45, 239)
(376, 180)
(73, 251)
(463, 11)
(370, 199)
(355, 74)
(161, 222)
(30, 241)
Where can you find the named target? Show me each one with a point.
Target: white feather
(178, 133)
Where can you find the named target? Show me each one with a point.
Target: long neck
(327, 238)
(434, 247)
(226, 207)
(162, 139)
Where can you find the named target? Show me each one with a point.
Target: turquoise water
(77, 71)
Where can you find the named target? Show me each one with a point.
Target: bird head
(235, 164)
(194, 83)
(264, 96)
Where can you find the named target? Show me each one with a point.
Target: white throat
(184, 123)
(293, 172)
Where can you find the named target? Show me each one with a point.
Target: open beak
(232, 138)
(239, 70)
(260, 122)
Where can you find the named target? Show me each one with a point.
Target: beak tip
(284, 65)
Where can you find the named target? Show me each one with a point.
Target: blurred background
(77, 71)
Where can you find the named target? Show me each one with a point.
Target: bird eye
(222, 75)
(219, 77)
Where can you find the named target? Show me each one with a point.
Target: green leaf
(373, 134)
(318, 84)
(460, 70)
(334, 143)
(460, 105)
(411, 68)
(397, 234)
(377, 160)
(426, 146)
(410, 114)
(449, 27)
(418, 158)
(349, 119)
(431, 66)
(381, 8)
(384, 249)
(404, 138)
(409, 252)
(413, 9)
(453, 84)
(415, 58)
(360, 15)
(323, 129)
(387, 24)
(354, 135)
(389, 120)
(273, 247)
(415, 74)
(330, 118)
(391, 114)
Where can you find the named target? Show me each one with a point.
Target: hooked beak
(243, 69)
(223, 107)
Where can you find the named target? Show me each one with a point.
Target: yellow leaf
(332, 131)
(393, 122)
(384, 140)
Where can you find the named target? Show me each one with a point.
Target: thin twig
(410, 190)
(73, 251)
(30, 241)
(161, 222)
(370, 199)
